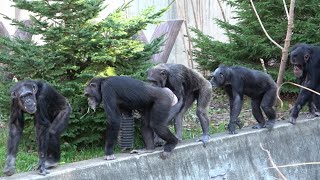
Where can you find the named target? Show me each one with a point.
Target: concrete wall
(226, 156)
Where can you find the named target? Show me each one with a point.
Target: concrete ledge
(226, 156)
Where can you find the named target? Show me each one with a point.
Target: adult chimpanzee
(188, 85)
(306, 59)
(51, 112)
(302, 79)
(121, 94)
(259, 86)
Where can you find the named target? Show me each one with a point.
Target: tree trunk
(284, 57)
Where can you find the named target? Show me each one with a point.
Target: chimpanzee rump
(188, 85)
(306, 61)
(121, 94)
(51, 113)
(259, 86)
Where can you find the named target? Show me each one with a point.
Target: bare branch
(272, 163)
(285, 8)
(263, 65)
(284, 56)
(264, 30)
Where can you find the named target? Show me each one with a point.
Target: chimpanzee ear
(34, 88)
(94, 85)
(163, 72)
(306, 57)
(13, 95)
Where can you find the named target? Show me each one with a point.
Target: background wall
(196, 13)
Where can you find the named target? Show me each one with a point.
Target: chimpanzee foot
(232, 128)
(270, 123)
(292, 120)
(258, 126)
(141, 151)
(159, 142)
(43, 171)
(311, 115)
(204, 139)
(109, 157)
(50, 164)
(165, 155)
(9, 171)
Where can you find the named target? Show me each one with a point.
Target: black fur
(188, 85)
(121, 94)
(259, 86)
(306, 61)
(51, 112)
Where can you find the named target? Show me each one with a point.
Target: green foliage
(248, 43)
(75, 48)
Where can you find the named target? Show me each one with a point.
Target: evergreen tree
(75, 48)
(248, 41)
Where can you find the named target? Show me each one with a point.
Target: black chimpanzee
(51, 113)
(121, 94)
(306, 61)
(188, 85)
(303, 80)
(259, 86)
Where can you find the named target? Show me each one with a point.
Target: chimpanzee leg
(160, 126)
(257, 113)
(57, 127)
(42, 131)
(203, 103)
(147, 132)
(114, 120)
(15, 132)
(179, 118)
(267, 103)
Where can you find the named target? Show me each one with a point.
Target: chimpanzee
(259, 86)
(51, 113)
(121, 94)
(306, 60)
(188, 85)
(302, 79)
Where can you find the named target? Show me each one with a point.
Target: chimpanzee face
(26, 96)
(157, 77)
(299, 57)
(93, 93)
(219, 77)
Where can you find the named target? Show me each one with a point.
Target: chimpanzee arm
(42, 132)
(236, 103)
(16, 125)
(175, 110)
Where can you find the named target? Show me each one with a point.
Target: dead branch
(284, 56)
(272, 163)
(285, 8)
(224, 18)
(264, 30)
(263, 65)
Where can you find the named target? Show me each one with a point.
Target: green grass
(28, 159)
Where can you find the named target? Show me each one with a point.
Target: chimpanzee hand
(232, 126)
(9, 168)
(204, 139)
(292, 120)
(109, 157)
(42, 170)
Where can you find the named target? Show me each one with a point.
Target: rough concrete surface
(232, 157)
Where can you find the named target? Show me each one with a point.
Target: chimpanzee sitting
(259, 86)
(121, 94)
(306, 61)
(51, 112)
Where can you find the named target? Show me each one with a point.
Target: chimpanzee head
(93, 93)
(220, 76)
(300, 55)
(25, 93)
(158, 76)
